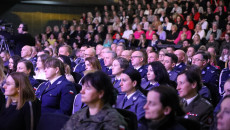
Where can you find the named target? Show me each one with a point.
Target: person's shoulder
(204, 103)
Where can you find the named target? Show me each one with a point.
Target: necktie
(185, 103)
(48, 85)
(125, 99)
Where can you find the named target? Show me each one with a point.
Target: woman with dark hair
(27, 67)
(57, 94)
(156, 76)
(162, 108)
(21, 102)
(133, 100)
(118, 66)
(40, 72)
(98, 93)
(13, 62)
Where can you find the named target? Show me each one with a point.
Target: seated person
(98, 93)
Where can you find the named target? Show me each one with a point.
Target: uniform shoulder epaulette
(206, 101)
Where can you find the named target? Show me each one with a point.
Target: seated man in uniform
(169, 62)
(180, 66)
(195, 107)
(209, 74)
(109, 57)
(138, 60)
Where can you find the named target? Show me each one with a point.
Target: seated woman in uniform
(21, 102)
(98, 93)
(57, 94)
(133, 100)
(162, 107)
(118, 66)
(27, 67)
(156, 76)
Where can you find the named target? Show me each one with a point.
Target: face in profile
(223, 117)
(89, 94)
(88, 66)
(116, 68)
(21, 67)
(10, 88)
(153, 108)
(150, 74)
(11, 64)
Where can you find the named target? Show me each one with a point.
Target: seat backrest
(52, 121)
(130, 118)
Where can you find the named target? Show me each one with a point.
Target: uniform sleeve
(207, 118)
(68, 93)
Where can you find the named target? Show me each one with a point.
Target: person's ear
(57, 70)
(194, 85)
(167, 110)
(134, 83)
(173, 65)
(101, 94)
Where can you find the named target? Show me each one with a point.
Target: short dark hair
(173, 57)
(192, 75)
(134, 76)
(204, 55)
(101, 82)
(29, 66)
(169, 97)
(54, 62)
(161, 74)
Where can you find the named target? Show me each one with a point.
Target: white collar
(130, 95)
(191, 99)
(53, 80)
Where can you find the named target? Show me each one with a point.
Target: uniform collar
(130, 95)
(53, 80)
(191, 99)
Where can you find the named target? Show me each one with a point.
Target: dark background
(39, 14)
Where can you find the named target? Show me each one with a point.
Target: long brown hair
(25, 89)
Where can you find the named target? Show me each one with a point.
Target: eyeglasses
(135, 57)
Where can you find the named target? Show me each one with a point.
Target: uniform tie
(185, 103)
(48, 85)
(125, 99)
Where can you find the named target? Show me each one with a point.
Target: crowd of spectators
(166, 62)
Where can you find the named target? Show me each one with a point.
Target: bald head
(90, 52)
(180, 55)
(126, 54)
(26, 51)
